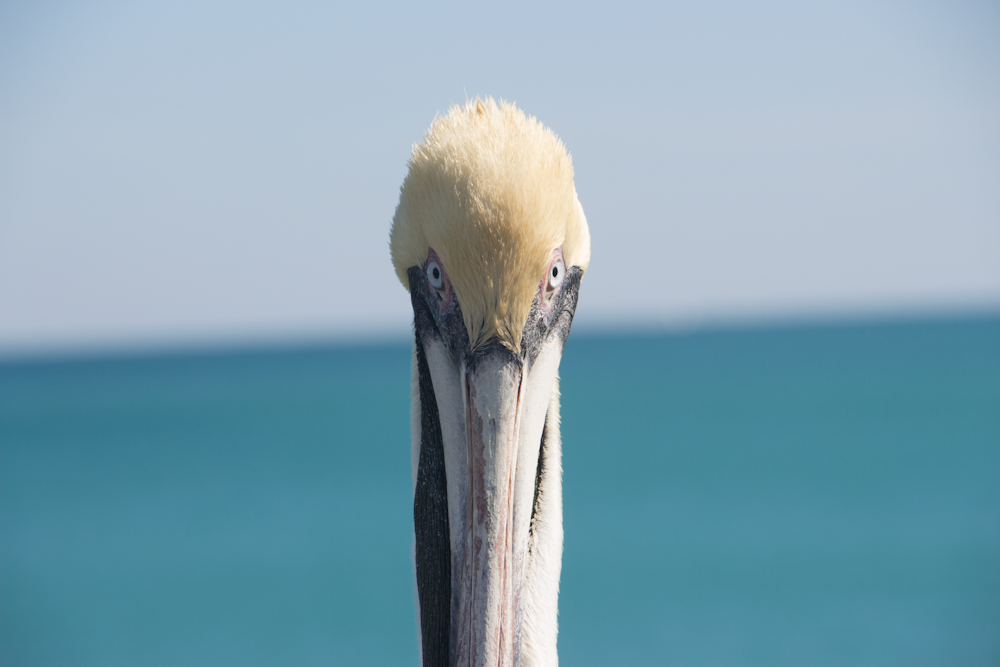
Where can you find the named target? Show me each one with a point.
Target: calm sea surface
(805, 496)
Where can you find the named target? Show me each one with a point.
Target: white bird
(491, 242)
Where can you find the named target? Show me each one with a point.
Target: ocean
(800, 495)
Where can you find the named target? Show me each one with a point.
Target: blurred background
(781, 397)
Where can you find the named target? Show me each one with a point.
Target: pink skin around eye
(543, 289)
(444, 294)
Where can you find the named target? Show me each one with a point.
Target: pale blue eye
(434, 275)
(556, 274)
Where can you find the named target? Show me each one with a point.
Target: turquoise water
(803, 496)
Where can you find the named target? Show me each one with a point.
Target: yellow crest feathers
(491, 191)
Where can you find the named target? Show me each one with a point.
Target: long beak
(492, 412)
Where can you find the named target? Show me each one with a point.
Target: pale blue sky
(186, 172)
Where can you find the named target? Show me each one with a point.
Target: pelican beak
(478, 465)
(504, 421)
(490, 609)
(491, 440)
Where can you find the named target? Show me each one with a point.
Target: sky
(209, 173)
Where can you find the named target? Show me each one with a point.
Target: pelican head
(491, 242)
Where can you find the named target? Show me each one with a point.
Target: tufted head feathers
(491, 191)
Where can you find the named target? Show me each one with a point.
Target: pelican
(491, 242)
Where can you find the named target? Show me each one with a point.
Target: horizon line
(249, 343)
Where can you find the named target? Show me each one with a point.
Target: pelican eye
(434, 275)
(556, 274)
